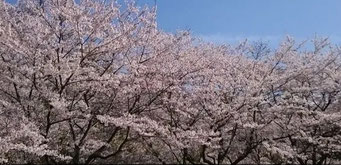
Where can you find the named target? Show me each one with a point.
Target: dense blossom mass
(96, 81)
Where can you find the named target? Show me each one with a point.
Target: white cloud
(222, 38)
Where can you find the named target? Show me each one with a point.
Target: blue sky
(232, 21)
(267, 20)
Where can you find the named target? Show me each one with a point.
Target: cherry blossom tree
(97, 82)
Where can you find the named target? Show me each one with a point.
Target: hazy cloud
(222, 38)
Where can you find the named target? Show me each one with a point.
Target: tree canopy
(98, 82)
